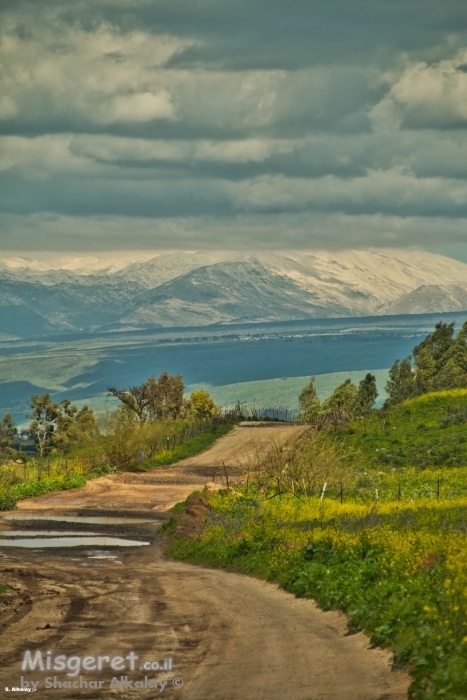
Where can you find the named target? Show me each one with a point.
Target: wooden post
(226, 475)
(324, 489)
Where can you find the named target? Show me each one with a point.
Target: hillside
(198, 289)
(427, 431)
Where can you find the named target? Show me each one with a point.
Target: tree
(74, 426)
(343, 403)
(154, 399)
(367, 394)
(168, 401)
(201, 405)
(430, 355)
(56, 425)
(309, 402)
(453, 373)
(7, 431)
(44, 414)
(402, 383)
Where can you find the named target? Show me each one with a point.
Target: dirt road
(230, 637)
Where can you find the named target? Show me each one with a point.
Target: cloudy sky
(239, 124)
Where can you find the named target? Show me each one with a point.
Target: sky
(221, 124)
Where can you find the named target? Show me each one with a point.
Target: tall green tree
(343, 403)
(402, 383)
(7, 431)
(431, 354)
(310, 405)
(453, 373)
(367, 394)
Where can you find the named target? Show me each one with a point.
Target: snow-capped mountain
(195, 289)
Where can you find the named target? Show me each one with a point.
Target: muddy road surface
(197, 633)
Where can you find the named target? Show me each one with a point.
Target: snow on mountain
(193, 288)
(158, 270)
(371, 279)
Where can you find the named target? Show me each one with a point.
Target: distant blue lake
(218, 355)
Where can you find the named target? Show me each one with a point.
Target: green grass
(397, 571)
(428, 431)
(29, 489)
(192, 447)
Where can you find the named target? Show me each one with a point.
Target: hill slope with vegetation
(366, 512)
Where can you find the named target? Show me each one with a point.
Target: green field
(283, 393)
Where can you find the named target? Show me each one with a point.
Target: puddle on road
(100, 554)
(87, 519)
(42, 542)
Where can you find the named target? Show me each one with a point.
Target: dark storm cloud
(223, 122)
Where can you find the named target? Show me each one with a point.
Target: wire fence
(244, 412)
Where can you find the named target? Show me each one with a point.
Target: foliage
(28, 489)
(302, 465)
(154, 399)
(439, 363)
(74, 427)
(7, 432)
(367, 394)
(200, 405)
(343, 402)
(310, 405)
(58, 426)
(44, 414)
(346, 401)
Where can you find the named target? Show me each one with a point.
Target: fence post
(324, 489)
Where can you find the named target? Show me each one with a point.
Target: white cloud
(426, 95)
(141, 107)
(115, 149)
(101, 75)
(384, 189)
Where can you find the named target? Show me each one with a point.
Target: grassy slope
(417, 433)
(396, 567)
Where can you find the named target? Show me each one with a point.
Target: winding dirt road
(230, 637)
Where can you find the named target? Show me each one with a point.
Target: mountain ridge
(197, 289)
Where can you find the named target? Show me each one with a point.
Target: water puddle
(87, 519)
(43, 542)
(101, 555)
